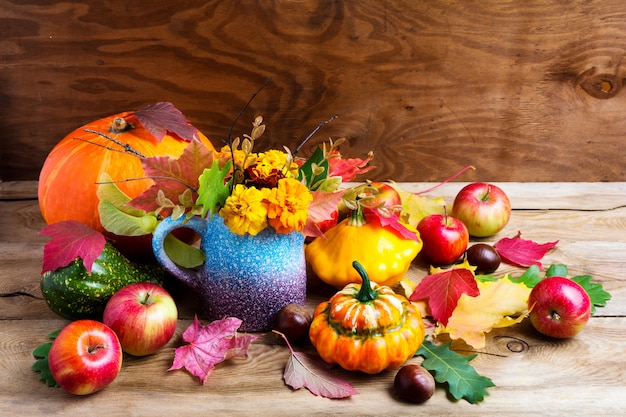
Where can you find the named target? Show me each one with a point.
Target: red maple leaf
(523, 252)
(321, 209)
(173, 176)
(390, 220)
(349, 168)
(209, 345)
(163, 117)
(70, 240)
(443, 291)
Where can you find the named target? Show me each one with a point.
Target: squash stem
(357, 218)
(366, 293)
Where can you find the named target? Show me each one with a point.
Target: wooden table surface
(534, 375)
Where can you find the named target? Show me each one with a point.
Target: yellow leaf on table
(415, 207)
(501, 303)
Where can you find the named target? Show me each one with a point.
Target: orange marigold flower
(288, 205)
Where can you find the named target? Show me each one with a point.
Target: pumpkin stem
(366, 293)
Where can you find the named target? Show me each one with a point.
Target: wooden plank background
(524, 91)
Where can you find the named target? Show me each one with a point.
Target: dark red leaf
(443, 291)
(209, 345)
(71, 240)
(172, 176)
(163, 117)
(523, 252)
(312, 373)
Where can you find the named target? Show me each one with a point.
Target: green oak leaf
(596, 292)
(41, 361)
(453, 369)
(213, 190)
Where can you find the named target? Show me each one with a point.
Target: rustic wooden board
(534, 375)
(526, 92)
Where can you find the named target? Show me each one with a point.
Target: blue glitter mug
(248, 277)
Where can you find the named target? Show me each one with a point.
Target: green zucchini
(75, 294)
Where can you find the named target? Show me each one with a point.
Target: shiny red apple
(85, 357)
(484, 208)
(383, 195)
(559, 307)
(444, 238)
(143, 315)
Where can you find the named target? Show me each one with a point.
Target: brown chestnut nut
(293, 321)
(484, 257)
(413, 383)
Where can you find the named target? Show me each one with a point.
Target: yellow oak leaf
(408, 287)
(501, 303)
(463, 265)
(415, 207)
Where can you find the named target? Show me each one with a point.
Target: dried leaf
(500, 303)
(70, 240)
(172, 176)
(453, 369)
(443, 291)
(523, 252)
(163, 117)
(310, 372)
(209, 345)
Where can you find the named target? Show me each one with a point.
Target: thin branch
(244, 108)
(126, 148)
(156, 177)
(319, 126)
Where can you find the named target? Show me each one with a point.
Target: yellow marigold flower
(288, 205)
(245, 210)
(239, 155)
(275, 159)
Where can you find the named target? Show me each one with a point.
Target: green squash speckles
(75, 294)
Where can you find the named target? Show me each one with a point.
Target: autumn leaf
(322, 207)
(454, 370)
(163, 117)
(522, 252)
(390, 221)
(172, 177)
(443, 291)
(416, 207)
(70, 240)
(209, 345)
(310, 372)
(349, 168)
(501, 303)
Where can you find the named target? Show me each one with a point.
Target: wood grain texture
(534, 375)
(526, 92)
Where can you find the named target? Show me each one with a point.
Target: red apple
(484, 208)
(444, 238)
(560, 307)
(383, 195)
(143, 315)
(85, 357)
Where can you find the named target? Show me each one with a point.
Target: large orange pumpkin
(67, 182)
